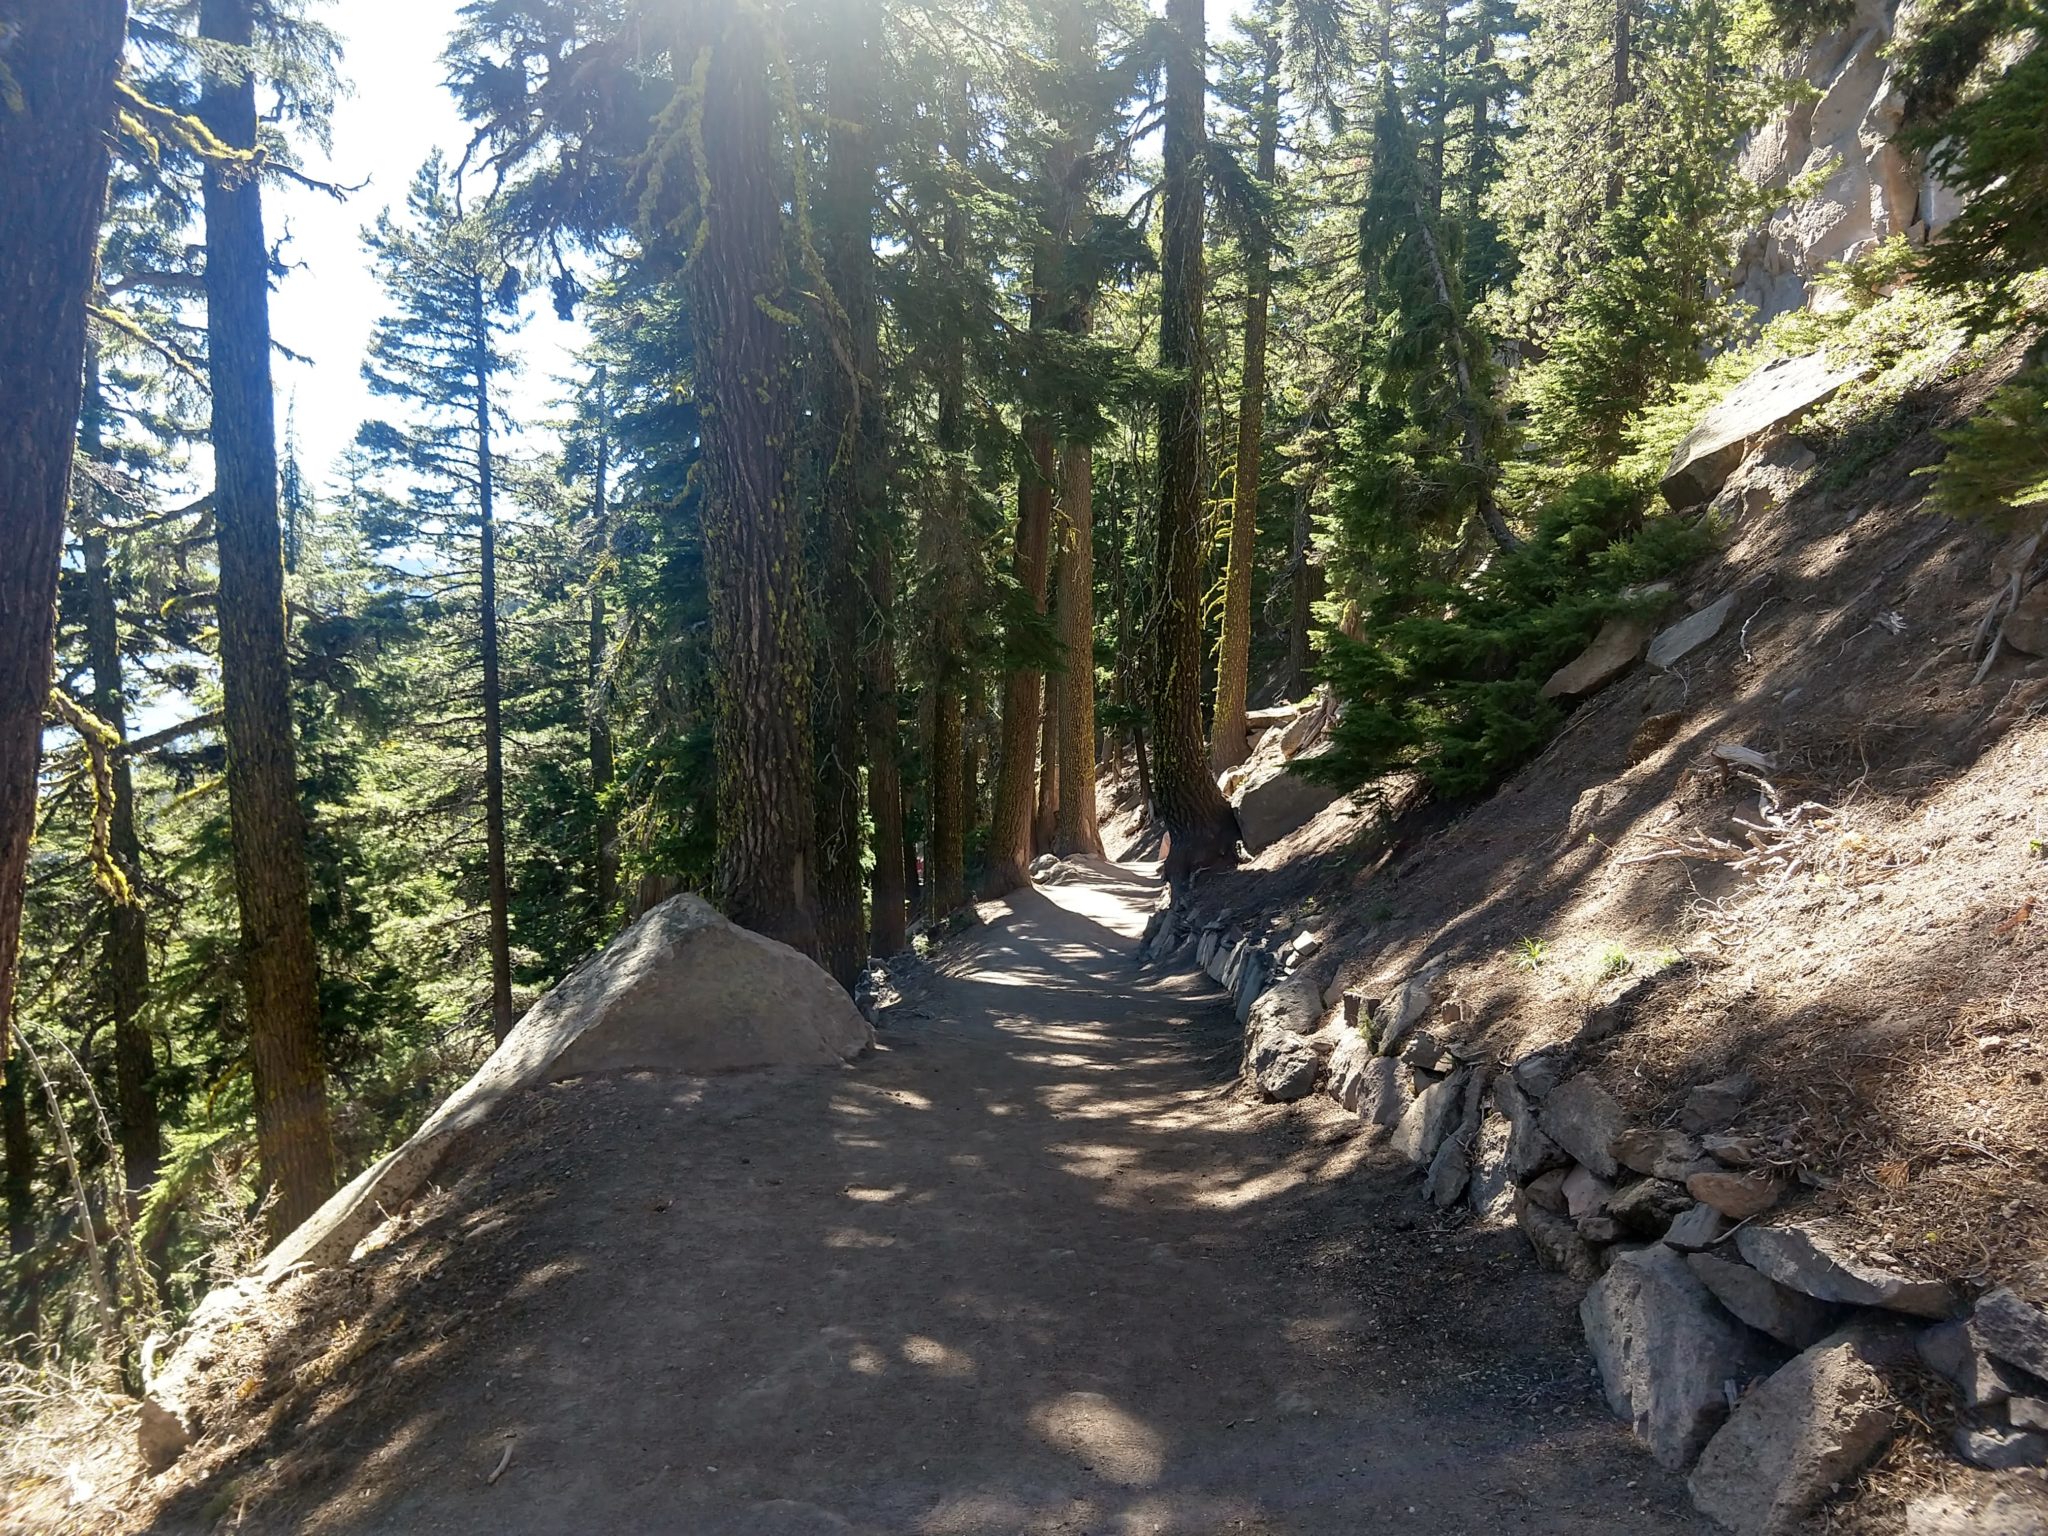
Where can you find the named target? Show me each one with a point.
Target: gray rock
(1491, 1191)
(1812, 1259)
(1691, 632)
(1648, 1207)
(1348, 1065)
(1789, 1316)
(1206, 946)
(1295, 1004)
(1430, 1118)
(1403, 1011)
(1738, 1196)
(1557, 1243)
(1426, 1053)
(1734, 1151)
(1585, 1193)
(1954, 1352)
(1776, 394)
(1665, 1349)
(1601, 1231)
(1385, 1090)
(1251, 982)
(1999, 1448)
(2028, 1413)
(1276, 802)
(1282, 1064)
(1582, 1117)
(1542, 1070)
(1612, 652)
(680, 990)
(1547, 1189)
(1660, 1154)
(1699, 1228)
(1451, 1168)
(1710, 1106)
(163, 1433)
(1813, 1424)
(2013, 1331)
(1985, 1512)
(2026, 628)
(1530, 1152)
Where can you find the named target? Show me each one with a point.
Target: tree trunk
(1621, 92)
(1009, 828)
(125, 948)
(943, 546)
(889, 893)
(604, 871)
(739, 294)
(1228, 745)
(1046, 818)
(1303, 593)
(1076, 830)
(850, 429)
(279, 980)
(53, 179)
(1199, 822)
(494, 690)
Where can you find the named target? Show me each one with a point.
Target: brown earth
(1033, 1266)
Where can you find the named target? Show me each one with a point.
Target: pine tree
(440, 350)
(278, 963)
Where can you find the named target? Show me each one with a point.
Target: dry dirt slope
(1030, 1267)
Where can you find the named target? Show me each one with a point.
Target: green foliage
(1996, 471)
(1448, 681)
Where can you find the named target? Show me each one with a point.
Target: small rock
(1354, 1010)
(2013, 1331)
(1701, 1227)
(1426, 1053)
(1529, 1150)
(1734, 1151)
(1600, 1231)
(1809, 1258)
(1542, 1070)
(1787, 1315)
(1713, 1105)
(1404, 1010)
(1653, 735)
(1690, 633)
(1991, 1512)
(2026, 627)
(1997, 1448)
(1585, 1193)
(2027, 1413)
(1430, 1118)
(1738, 1196)
(1665, 1348)
(1348, 1065)
(1546, 1190)
(1954, 1352)
(1306, 944)
(1557, 1243)
(1661, 1154)
(1649, 1206)
(1812, 1425)
(1582, 1117)
(1612, 652)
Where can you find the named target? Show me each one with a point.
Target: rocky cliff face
(1873, 189)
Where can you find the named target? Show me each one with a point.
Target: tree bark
(604, 870)
(889, 891)
(1045, 819)
(279, 978)
(1076, 830)
(1300, 596)
(1009, 830)
(943, 546)
(499, 887)
(1228, 745)
(742, 307)
(849, 425)
(1200, 824)
(53, 182)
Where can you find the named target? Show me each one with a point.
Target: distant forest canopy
(980, 397)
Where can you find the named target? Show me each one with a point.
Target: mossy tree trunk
(280, 984)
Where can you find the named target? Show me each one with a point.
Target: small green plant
(1531, 953)
(1611, 960)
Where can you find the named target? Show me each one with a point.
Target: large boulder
(1665, 1350)
(681, 990)
(1276, 801)
(1282, 1064)
(1815, 1423)
(1612, 652)
(1775, 395)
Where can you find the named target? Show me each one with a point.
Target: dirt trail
(1029, 1268)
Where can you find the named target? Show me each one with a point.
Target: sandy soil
(1031, 1267)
